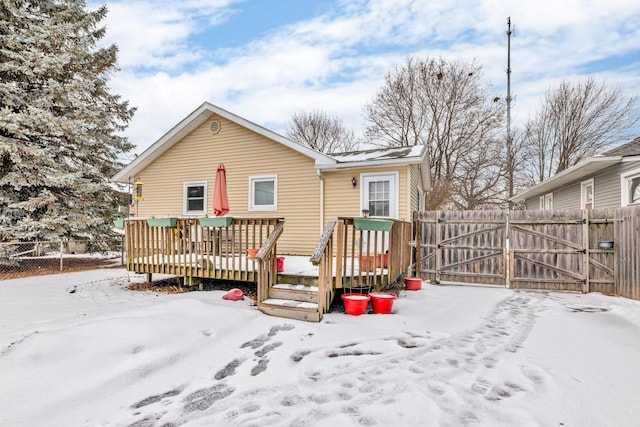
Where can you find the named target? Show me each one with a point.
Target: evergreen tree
(59, 124)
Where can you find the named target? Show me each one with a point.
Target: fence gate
(461, 246)
(546, 250)
(549, 250)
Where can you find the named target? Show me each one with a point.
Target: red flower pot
(252, 252)
(368, 263)
(280, 264)
(413, 283)
(383, 260)
(355, 304)
(382, 302)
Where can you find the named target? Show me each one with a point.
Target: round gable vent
(214, 127)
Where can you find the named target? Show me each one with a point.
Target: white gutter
(319, 173)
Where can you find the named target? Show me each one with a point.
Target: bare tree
(574, 122)
(478, 179)
(445, 105)
(321, 132)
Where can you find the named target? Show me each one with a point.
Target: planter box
(162, 222)
(218, 221)
(372, 224)
(118, 223)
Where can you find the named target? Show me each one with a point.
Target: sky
(89, 351)
(265, 60)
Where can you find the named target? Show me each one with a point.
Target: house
(611, 179)
(269, 175)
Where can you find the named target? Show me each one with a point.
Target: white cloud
(336, 61)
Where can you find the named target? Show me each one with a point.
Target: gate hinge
(581, 251)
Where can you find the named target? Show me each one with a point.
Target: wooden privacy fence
(548, 250)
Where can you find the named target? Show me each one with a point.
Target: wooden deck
(366, 260)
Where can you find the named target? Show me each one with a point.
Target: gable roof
(631, 148)
(582, 170)
(187, 125)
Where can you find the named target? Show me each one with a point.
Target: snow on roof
(378, 156)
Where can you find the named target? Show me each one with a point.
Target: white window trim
(394, 202)
(259, 208)
(548, 201)
(583, 193)
(184, 198)
(624, 185)
(541, 203)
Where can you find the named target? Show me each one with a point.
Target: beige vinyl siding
(244, 154)
(341, 199)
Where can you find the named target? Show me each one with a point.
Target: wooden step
(290, 309)
(286, 291)
(298, 279)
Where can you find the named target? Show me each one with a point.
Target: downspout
(321, 200)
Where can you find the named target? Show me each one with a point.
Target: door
(380, 194)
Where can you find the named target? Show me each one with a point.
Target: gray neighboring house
(608, 180)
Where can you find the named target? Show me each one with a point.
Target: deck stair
(292, 301)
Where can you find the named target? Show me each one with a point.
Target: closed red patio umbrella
(220, 198)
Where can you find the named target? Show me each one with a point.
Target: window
(631, 188)
(195, 198)
(263, 193)
(634, 190)
(586, 194)
(546, 201)
(379, 194)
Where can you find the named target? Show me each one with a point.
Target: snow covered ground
(79, 349)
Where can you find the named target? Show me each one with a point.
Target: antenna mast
(510, 156)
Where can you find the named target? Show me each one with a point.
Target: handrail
(323, 258)
(322, 243)
(271, 241)
(267, 266)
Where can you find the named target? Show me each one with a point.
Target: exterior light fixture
(354, 182)
(138, 190)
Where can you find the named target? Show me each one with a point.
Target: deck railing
(186, 248)
(371, 259)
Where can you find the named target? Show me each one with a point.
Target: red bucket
(382, 302)
(413, 283)
(280, 264)
(355, 304)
